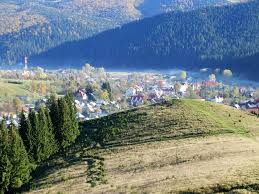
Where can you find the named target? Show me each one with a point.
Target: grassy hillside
(183, 146)
(172, 120)
(9, 88)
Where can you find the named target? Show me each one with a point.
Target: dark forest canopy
(215, 36)
(41, 37)
(30, 27)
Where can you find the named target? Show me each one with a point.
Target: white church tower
(25, 64)
(26, 72)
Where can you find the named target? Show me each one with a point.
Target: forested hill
(29, 27)
(14, 46)
(212, 36)
(151, 7)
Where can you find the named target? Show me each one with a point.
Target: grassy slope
(174, 147)
(8, 90)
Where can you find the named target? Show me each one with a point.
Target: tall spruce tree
(25, 131)
(47, 140)
(65, 134)
(5, 164)
(72, 113)
(36, 148)
(19, 160)
(68, 129)
(63, 116)
(54, 114)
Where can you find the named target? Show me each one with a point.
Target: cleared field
(8, 89)
(154, 152)
(21, 88)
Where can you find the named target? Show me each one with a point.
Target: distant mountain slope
(151, 7)
(158, 149)
(21, 18)
(225, 36)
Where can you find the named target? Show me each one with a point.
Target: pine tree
(36, 148)
(65, 135)
(54, 114)
(5, 164)
(25, 131)
(47, 139)
(20, 172)
(68, 125)
(63, 116)
(72, 113)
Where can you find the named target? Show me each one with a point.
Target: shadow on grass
(61, 160)
(225, 188)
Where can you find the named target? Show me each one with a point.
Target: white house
(138, 89)
(80, 116)
(237, 106)
(90, 108)
(183, 88)
(131, 92)
(218, 99)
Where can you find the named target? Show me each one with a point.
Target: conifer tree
(25, 131)
(46, 136)
(54, 114)
(63, 117)
(36, 148)
(68, 124)
(5, 164)
(65, 134)
(72, 113)
(19, 160)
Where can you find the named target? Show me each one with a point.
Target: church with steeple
(26, 72)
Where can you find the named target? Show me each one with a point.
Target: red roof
(253, 110)
(209, 83)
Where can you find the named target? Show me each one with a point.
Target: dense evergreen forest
(29, 27)
(41, 37)
(151, 7)
(215, 36)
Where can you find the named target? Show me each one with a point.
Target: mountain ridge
(217, 37)
(18, 17)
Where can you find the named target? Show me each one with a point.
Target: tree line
(40, 134)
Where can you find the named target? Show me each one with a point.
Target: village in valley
(98, 93)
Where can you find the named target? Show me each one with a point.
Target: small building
(81, 94)
(136, 100)
(218, 99)
(183, 88)
(131, 92)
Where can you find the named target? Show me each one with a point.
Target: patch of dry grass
(167, 167)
